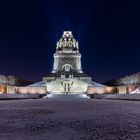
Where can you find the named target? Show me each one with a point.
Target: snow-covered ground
(136, 91)
(69, 119)
(132, 97)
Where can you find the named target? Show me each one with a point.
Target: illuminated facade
(67, 75)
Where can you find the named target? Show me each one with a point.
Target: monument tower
(67, 76)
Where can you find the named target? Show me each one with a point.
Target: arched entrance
(67, 68)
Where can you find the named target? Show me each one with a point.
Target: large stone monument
(67, 76)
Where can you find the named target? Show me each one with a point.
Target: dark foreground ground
(42, 119)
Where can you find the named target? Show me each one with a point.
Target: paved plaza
(69, 119)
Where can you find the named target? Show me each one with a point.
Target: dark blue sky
(108, 32)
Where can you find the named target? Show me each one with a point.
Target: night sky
(108, 32)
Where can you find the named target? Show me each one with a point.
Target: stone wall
(122, 89)
(3, 89)
(31, 90)
(126, 89)
(101, 90)
(25, 90)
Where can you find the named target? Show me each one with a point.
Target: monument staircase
(66, 96)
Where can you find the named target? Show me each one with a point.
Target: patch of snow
(95, 84)
(136, 91)
(69, 120)
(38, 84)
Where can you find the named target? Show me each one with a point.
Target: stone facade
(101, 90)
(67, 54)
(67, 75)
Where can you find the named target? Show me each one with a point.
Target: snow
(38, 84)
(95, 84)
(81, 119)
(7, 96)
(132, 97)
(137, 91)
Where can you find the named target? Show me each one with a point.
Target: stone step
(66, 96)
